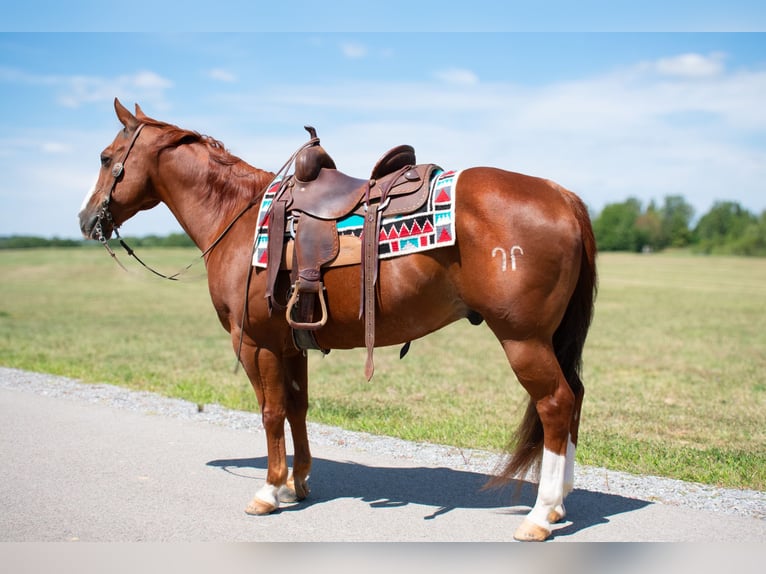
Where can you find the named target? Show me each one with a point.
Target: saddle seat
(316, 196)
(331, 194)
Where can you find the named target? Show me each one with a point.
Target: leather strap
(369, 278)
(276, 243)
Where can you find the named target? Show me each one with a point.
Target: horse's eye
(105, 161)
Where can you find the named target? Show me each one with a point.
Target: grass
(673, 365)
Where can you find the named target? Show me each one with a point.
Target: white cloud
(221, 75)
(76, 90)
(147, 80)
(144, 85)
(691, 65)
(458, 76)
(353, 50)
(54, 147)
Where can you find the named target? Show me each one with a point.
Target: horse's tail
(568, 343)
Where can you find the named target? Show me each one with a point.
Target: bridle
(117, 170)
(104, 214)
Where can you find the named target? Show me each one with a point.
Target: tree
(676, 218)
(650, 229)
(753, 239)
(615, 227)
(724, 226)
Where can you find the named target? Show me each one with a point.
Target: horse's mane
(231, 181)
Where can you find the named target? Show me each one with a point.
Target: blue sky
(608, 114)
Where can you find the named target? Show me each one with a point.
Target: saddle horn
(312, 159)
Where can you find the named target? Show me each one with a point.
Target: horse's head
(123, 187)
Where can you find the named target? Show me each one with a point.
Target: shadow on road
(442, 489)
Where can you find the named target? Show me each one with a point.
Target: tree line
(26, 241)
(727, 229)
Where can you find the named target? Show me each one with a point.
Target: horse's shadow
(443, 489)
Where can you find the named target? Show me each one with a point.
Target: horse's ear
(139, 112)
(123, 114)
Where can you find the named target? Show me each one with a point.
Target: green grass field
(674, 364)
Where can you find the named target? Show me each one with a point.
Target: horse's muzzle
(93, 227)
(88, 225)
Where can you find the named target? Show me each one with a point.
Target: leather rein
(105, 215)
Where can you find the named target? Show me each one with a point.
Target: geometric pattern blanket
(431, 227)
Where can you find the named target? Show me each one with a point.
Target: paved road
(88, 470)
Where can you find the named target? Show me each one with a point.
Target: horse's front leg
(266, 372)
(296, 385)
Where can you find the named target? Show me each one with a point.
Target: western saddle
(316, 196)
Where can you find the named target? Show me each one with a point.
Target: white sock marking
(550, 493)
(268, 494)
(569, 471)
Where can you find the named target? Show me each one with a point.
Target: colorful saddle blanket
(430, 227)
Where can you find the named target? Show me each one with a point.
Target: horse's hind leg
(538, 370)
(296, 384)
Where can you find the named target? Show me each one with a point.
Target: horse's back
(508, 206)
(513, 189)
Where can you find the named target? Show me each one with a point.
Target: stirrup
(294, 299)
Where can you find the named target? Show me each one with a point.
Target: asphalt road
(79, 470)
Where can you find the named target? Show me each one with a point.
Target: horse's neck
(205, 205)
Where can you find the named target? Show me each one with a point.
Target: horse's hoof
(258, 507)
(293, 491)
(531, 532)
(557, 514)
(301, 489)
(287, 494)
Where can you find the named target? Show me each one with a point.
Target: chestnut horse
(539, 305)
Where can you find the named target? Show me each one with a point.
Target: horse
(539, 305)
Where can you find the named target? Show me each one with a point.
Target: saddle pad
(430, 227)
